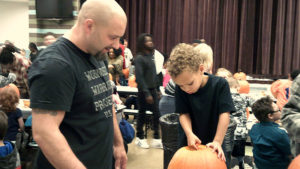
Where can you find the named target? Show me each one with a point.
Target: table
(26, 111)
(127, 90)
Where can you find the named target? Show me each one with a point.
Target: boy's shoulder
(216, 79)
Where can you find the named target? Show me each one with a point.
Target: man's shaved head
(99, 27)
(101, 11)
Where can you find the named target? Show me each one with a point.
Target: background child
(229, 136)
(8, 101)
(271, 145)
(240, 117)
(203, 100)
(9, 157)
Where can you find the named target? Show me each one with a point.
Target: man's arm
(119, 150)
(185, 122)
(46, 132)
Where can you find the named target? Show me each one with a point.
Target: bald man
(74, 122)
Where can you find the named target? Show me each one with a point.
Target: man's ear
(89, 26)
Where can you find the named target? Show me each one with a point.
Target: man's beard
(101, 56)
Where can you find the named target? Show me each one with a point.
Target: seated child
(8, 101)
(271, 145)
(9, 157)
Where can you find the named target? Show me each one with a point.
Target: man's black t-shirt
(205, 106)
(65, 78)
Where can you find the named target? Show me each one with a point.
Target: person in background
(33, 51)
(271, 145)
(115, 63)
(7, 79)
(197, 42)
(206, 52)
(159, 64)
(281, 89)
(203, 100)
(9, 156)
(23, 52)
(49, 38)
(241, 102)
(13, 62)
(145, 71)
(73, 120)
(223, 72)
(291, 116)
(8, 101)
(128, 54)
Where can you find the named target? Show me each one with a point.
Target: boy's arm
(222, 127)
(220, 134)
(185, 121)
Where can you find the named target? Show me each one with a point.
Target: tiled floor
(139, 158)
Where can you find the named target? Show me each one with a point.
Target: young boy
(271, 145)
(203, 100)
(9, 157)
(240, 116)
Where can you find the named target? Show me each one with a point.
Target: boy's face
(188, 81)
(276, 112)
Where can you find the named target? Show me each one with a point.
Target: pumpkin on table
(126, 72)
(295, 164)
(240, 76)
(190, 158)
(131, 81)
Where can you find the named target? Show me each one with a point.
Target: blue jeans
(166, 105)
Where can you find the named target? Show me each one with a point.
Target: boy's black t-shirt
(65, 78)
(205, 106)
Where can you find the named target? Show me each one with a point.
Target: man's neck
(74, 36)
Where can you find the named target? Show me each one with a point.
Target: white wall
(14, 22)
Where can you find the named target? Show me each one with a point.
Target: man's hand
(149, 99)
(193, 141)
(216, 146)
(120, 157)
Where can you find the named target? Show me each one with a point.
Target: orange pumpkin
(11, 85)
(295, 164)
(240, 76)
(244, 86)
(126, 73)
(131, 81)
(189, 158)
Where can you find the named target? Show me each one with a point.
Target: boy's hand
(216, 146)
(193, 140)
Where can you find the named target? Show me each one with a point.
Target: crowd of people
(70, 83)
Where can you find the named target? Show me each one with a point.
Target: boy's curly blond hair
(183, 57)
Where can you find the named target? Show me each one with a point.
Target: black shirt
(65, 78)
(145, 73)
(205, 106)
(13, 124)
